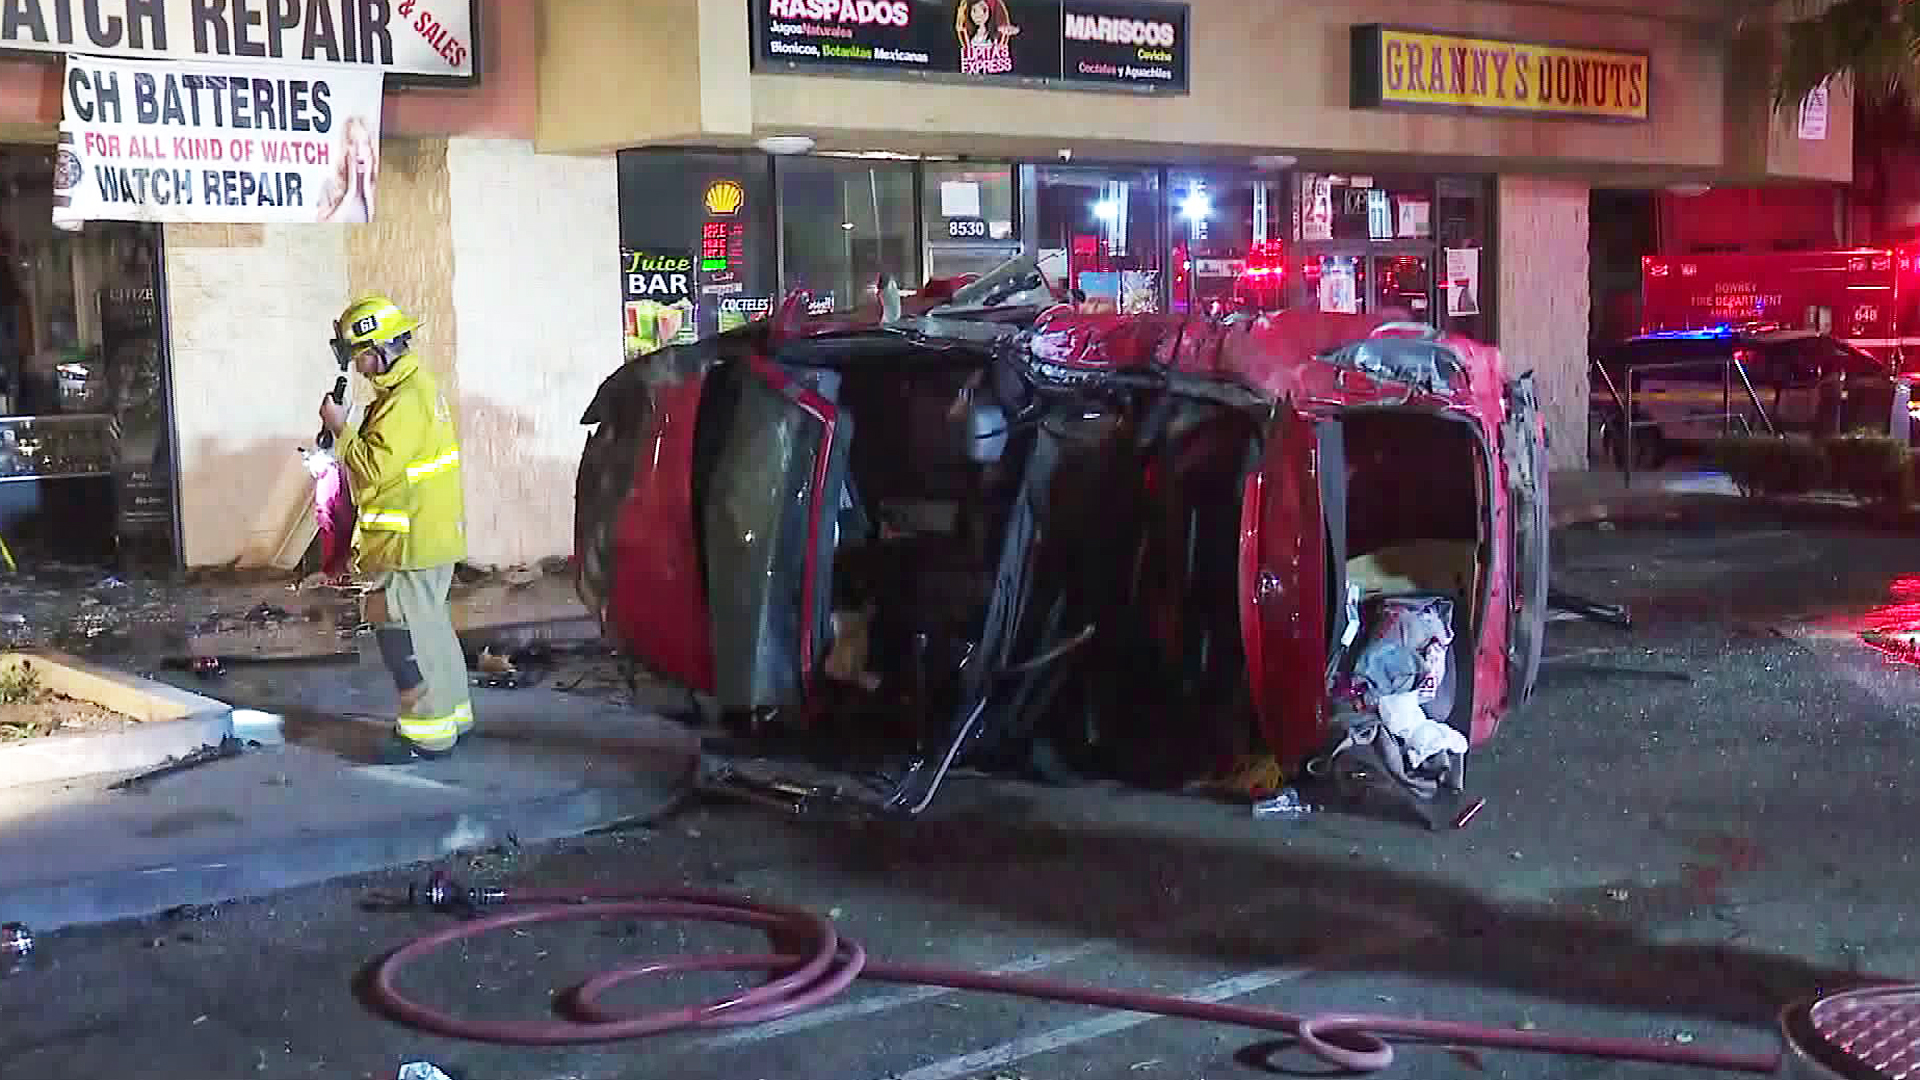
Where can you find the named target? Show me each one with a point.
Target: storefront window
(1353, 206)
(1402, 247)
(970, 213)
(697, 234)
(844, 225)
(1227, 249)
(85, 425)
(1100, 233)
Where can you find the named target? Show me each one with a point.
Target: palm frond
(1873, 44)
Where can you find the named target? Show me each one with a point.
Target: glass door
(970, 217)
(1402, 286)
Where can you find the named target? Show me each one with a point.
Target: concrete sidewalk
(1581, 496)
(307, 804)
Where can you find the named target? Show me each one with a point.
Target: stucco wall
(249, 306)
(520, 322)
(537, 305)
(406, 252)
(1543, 301)
(1269, 76)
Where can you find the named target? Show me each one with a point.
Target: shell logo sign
(724, 198)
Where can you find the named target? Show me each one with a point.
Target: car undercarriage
(1004, 534)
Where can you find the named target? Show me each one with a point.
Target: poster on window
(1463, 281)
(1099, 290)
(1139, 292)
(266, 143)
(1337, 287)
(1379, 215)
(1416, 218)
(1813, 114)
(1318, 222)
(657, 287)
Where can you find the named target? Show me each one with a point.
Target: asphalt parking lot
(1695, 822)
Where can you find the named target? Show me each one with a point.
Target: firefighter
(403, 462)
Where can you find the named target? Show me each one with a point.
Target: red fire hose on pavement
(811, 964)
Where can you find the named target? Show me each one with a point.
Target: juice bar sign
(1077, 43)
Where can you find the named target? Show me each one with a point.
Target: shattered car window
(1015, 283)
(1421, 362)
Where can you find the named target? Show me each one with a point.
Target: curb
(68, 757)
(1632, 505)
(1808, 512)
(567, 630)
(292, 862)
(172, 722)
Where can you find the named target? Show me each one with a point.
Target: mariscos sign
(421, 38)
(205, 142)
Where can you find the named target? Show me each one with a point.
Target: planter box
(173, 722)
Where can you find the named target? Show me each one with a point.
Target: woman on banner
(348, 196)
(985, 31)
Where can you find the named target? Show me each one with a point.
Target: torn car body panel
(1016, 532)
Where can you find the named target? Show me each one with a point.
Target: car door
(1793, 371)
(1283, 586)
(768, 496)
(1523, 456)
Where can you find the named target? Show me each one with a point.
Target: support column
(1544, 303)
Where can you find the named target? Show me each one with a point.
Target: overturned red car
(990, 528)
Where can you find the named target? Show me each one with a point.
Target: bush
(1874, 468)
(1769, 465)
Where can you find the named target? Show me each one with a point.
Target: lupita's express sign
(1074, 43)
(417, 38)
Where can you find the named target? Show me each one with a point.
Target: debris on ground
(229, 746)
(1252, 776)
(422, 1070)
(1472, 811)
(492, 663)
(1289, 803)
(16, 944)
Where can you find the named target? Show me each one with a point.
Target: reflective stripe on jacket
(404, 458)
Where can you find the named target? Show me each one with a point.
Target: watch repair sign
(1398, 68)
(410, 38)
(203, 142)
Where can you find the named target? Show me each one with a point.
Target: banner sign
(1399, 68)
(209, 142)
(657, 288)
(418, 38)
(1127, 44)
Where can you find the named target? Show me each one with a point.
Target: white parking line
(882, 1002)
(1112, 1022)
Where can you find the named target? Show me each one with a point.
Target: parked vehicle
(994, 529)
(1689, 387)
(1868, 298)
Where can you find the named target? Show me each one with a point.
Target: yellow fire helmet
(373, 320)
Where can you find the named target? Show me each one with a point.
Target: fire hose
(810, 963)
